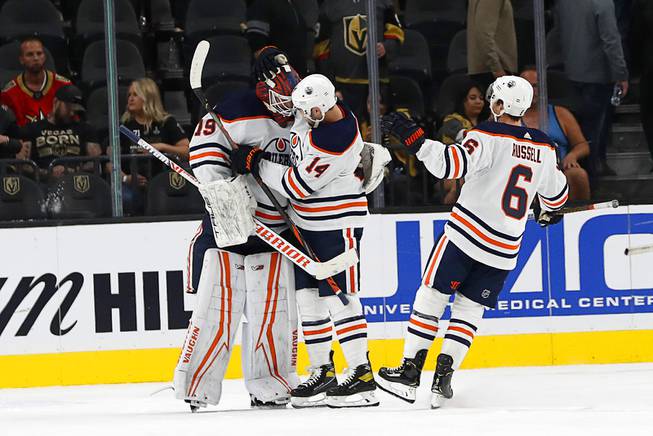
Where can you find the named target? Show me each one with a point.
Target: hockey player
(328, 203)
(247, 278)
(506, 166)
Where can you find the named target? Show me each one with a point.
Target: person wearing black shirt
(9, 131)
(61, 133)
(146, 117)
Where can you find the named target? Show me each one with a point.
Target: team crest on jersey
(176, 181)
(486, 293)
(11, 185)
(355, 28)
(81, 183)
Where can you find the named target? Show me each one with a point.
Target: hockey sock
(423, 323)
(465, 317)
(351, 328)
(316, 326)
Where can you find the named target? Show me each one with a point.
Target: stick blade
(336, 265)
(197, 64)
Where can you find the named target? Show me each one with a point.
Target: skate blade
(318, 400)
(270, 406)
(403, 392)
(195, 405)
(361, 399)
(437, 400)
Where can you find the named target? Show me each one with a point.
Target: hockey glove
(405, 130)
(269, 62)
(543, 217)
(246, 158)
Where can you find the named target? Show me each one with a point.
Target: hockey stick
(632, 251)
(196, 67)
(319, 270)
(595, 206)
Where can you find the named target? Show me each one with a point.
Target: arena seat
(40, 18)
(412, 58)
(129, 61)
(89, 21)
(79, 195)
(161, 18)
(405, 93)
(229, 58)
(457, 57)
(176, 104)
(20, 198)
(205, 18)
(169, 194)
(97, 112)
(438, 21)
(449, 90)
(10, 66)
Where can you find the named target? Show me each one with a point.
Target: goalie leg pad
(270, 334)
(210, 335)
(316, 326)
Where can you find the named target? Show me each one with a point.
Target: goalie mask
(275, 94)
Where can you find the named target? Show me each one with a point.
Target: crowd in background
(436, 71)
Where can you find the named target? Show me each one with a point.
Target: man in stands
(9, 145)
(61, 133)
(30, 94)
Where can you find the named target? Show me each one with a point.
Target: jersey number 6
(515, 195)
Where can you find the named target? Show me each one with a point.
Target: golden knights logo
(81, 183)
(176, 181)
(11, 185)
(355, 29)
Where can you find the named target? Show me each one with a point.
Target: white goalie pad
(270, 334)
(374, 158)
(231, 208)
(212, 329)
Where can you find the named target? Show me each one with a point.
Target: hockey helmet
(515, 93)
(275, 93)
(314, 91)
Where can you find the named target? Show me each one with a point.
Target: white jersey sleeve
(456, 161)
(553, 192)
(209, 152)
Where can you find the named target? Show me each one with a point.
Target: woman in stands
(468, 112)
(566, 132)
(146, 117)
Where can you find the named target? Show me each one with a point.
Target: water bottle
(617, 94)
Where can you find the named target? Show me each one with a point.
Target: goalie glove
(405, 130)
(543, 217)
(374, 159)
(231, 208)
(269, 63)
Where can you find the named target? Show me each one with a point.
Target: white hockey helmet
(314, 91)
(515, 93)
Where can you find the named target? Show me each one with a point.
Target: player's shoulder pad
(336, 138)
(241, 104)
(520, 133)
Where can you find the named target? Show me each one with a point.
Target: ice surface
(563, 400)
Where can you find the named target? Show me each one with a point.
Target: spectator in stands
(468, 112)
(61, 134)
(10, 146)
(567, 134)
(341, 46)
(30, 94)
(641, 44)
(146, 117)
(279, 23)
(491, 40)
(594, 62)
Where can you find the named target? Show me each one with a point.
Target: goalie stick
(196, 67)
(319, 270)
(595, 206)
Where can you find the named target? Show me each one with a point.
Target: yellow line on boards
(155, 365)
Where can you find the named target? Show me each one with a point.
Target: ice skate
(442, 381)
(312, 393)
(195, 405)
(356, 391)
(279, 403)
(402, 381)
